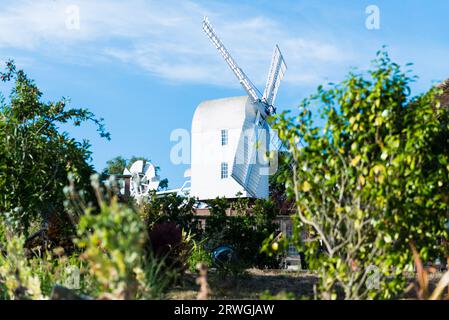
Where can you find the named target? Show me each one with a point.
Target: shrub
(171, 208)
(170, 242)
(113, 247)
(245, 231)
(198, 255)
(17, 278)
(112, 264)
(171, 225)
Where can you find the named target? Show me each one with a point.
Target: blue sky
(144, 66)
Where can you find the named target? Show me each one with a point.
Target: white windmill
(230, 136)
(144, 178)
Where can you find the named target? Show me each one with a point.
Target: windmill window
(224, 137)
(224, 170)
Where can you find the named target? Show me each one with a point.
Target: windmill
(249, 163)
(144, 178)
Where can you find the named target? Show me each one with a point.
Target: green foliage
(118, 164)
(55, 268)
(244, 231)
(157, 278)
(17, 277)
(35, 157)
(113, 246)
(278, 193)
(171, 223)
(112, 263)
(115, 165)
(112, 243)
(24, 277)
(373, 179)
(171, 208)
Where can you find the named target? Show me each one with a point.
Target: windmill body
(217, 128)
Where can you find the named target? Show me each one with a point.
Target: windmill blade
(248, 162)
(244, 153)
(275, 75)
(250, 89)
(137, 167)
(152, 179)
(258, 164)
(149, 170)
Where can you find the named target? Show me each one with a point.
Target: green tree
(278, 193)
(115, 166)
(372, 180)
(35, 156)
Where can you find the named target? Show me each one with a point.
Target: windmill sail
(258, 165)
(275, 75)
(249, 161)
(240, 167)
(250, 89)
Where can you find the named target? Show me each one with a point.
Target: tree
(35, 156)
(118, 164)
(115, 166)
(278, 193)
(372, 180)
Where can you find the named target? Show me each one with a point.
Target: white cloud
(164, 38)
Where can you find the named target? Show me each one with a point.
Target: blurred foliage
(17, 278)
(113, 244)
(421, 284)
(35, 156)
(112, 261)
(199, 254)
(373, 178)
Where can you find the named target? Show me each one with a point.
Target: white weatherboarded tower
(230, 136)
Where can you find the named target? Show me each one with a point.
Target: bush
(113, 243)
(170, 242)
(172, 208)
(199, 254)
(245, 231)
(18, 279)
(112, 261)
